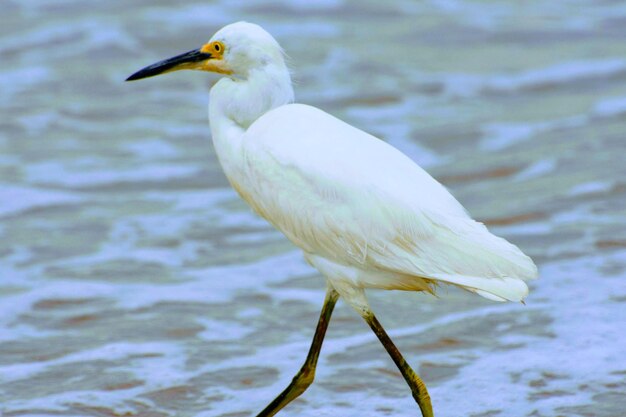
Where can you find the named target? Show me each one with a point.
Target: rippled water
(134, 282)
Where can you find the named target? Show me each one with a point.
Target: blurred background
(134, 282)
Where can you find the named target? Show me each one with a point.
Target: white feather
(364, 213)
(346, 196)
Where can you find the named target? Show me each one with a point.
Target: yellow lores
(363, 213)
(216, 63)
(216, 49)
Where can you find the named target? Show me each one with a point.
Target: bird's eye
(217, 47)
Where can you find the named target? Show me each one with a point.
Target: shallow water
(134, 282)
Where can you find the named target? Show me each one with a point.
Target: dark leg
(305, 375)
(418, 388)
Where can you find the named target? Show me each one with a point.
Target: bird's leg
(305, 375)
(418, 388)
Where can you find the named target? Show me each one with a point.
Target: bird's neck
(241, 101)
(236, 103)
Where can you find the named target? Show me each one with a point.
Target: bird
(364, 214)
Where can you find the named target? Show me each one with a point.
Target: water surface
(134, 282)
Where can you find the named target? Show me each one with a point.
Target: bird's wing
(343, 194)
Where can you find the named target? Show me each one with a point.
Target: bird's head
(235, 50)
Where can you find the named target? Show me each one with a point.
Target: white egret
(363, 213)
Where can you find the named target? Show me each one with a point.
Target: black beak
(170, 64)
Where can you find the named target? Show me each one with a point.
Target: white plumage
(350, 199)
(364, 214)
